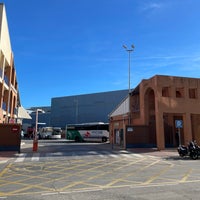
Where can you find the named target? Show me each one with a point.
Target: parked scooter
(192, 150)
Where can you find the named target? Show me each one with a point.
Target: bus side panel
(74, 135)
(94, 135)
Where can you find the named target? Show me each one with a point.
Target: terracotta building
(9, 100)
(163, 111)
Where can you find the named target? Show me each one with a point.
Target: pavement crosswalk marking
(138, 155)
(127, 155)
(114, 156)
(35, 157)
(21, 157)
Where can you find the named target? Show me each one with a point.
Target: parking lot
(88, 171)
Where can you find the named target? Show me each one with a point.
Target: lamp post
(35, 138)
(129, 50)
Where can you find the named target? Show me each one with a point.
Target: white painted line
(101, 155)
(80, 191)
(50, 193)
(2, 162)
(21, 157)
(36, 157)
(114, 156)
(127, 155)
(137, 155)
(123, 151)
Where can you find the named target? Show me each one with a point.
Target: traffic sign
(179, 123)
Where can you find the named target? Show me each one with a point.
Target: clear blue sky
(70, 47)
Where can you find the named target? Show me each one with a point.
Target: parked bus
(56, 134)
(96, 131)
(50, 133)
(45, 132)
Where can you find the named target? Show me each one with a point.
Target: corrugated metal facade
(85, 108)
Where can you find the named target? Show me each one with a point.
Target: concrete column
(187, 128)
(160, 131)
(160, 137)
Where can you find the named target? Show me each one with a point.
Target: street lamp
(35, 138)
(129, 50)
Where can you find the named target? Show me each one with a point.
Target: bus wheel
(104, 139)
(77, 139)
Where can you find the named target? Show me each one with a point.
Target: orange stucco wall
(162, 100)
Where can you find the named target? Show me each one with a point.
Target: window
(179, 92)
(166, 92)
(192, 93)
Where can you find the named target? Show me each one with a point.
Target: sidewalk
(150, 151)
(6, 155)
(168, 152)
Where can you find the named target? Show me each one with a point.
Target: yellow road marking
(152, 178)
(185, 177)
(5, 170)
(83, 168)
(131, 163)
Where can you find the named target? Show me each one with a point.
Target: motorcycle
(192, 150)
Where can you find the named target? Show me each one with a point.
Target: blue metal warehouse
(79, 108)
(84, 108)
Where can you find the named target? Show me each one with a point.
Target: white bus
(50, 133)
(95, 131)
(56, 134)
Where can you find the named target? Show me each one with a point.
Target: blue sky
(70, 47)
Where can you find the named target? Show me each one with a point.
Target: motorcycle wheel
(194, 156)
(181, 155)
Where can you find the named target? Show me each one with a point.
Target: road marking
(114, 156)
(5, 170)
(138, 155)
(102, 154)
(21, 157)
(152, 178)
(3, 161)
(185, 177)
(83, 190)
(36, 157)
(127, 155)
(49, 193)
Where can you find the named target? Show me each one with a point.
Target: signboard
(179, 123)
(130, 129)
(15, 128)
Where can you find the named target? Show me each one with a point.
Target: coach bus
(95, 131)
(50, 133)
